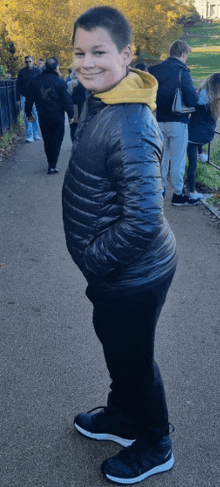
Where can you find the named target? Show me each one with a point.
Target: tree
(190, 16)
(39, 28)
(44, 28)
(8, 57)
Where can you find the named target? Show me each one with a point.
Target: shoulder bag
(178, 106)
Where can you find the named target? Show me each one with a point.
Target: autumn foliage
(43, 28)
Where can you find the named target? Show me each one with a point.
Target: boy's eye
(78, 54)
(99, 53)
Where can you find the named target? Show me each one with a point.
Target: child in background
(202, 125)
(78, 95)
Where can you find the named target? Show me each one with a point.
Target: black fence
(9, 109)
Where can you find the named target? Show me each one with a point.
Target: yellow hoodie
(137, 87)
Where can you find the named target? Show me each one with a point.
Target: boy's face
(97, 62)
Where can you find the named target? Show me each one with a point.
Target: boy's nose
(88, 61)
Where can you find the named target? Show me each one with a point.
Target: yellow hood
(137, 87)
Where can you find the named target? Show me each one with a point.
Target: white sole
(159, 469)
(186, 204)
(104, 436)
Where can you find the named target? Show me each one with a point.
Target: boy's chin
(94, 88)
(99, 85)
(91, 85)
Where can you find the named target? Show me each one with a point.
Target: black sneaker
(52, 170)
(184, 200)
(109, 424)
(139, 461)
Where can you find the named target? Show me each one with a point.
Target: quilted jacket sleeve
(134, 157)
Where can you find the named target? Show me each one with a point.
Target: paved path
(52, 362)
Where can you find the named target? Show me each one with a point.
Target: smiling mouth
(90, 75)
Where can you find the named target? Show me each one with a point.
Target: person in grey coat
(174, 126)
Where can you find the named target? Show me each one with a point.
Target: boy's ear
(127, 55)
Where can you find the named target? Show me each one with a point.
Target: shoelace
(98, 407)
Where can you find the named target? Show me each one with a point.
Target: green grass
(214, 200)
(208, 175)
(203, 29)
(10, 136)
(200, 41)
(202, 64)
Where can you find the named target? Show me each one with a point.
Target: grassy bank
(9, 138)
(205, 56)
(202, 64)
(203, 61)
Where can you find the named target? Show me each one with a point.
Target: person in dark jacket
(78, 98)
(174, 127)
(117, 235)
(202, 125)
(25, 76)
(70, 70)
(41, 64)
(52, 99)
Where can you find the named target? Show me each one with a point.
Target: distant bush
(3, 73)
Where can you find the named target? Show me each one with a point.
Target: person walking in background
(25, 76)
(202, 125)
(72, 82)
(174, 127)
(118, 236)
(78, 95)
(41, 64)
(70, 70)
(52, 99)
(60, 74)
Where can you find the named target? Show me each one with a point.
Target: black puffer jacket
(113, 216)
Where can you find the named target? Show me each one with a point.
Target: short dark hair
(108, 18)
(27, 57)
(178, 48)
(41, 59)
(52, 63)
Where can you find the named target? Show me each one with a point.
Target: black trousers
(125, 325)
(73, 127)
(52, 133)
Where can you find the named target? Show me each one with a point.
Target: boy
(117, 235)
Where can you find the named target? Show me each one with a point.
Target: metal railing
(9, 109)
(209, 150)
